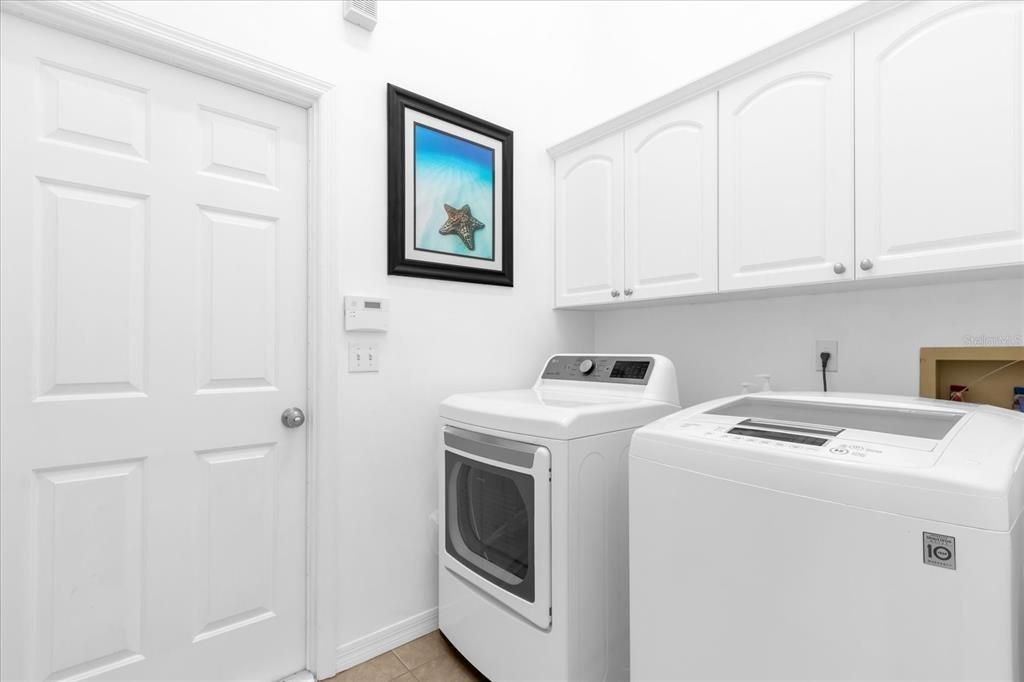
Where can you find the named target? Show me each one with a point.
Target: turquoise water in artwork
(451, 170)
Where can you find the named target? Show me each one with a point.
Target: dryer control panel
(615, 369)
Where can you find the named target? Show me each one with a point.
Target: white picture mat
(412, 117)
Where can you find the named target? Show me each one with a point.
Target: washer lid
(895, 420)
(560, 415)
(956, 463)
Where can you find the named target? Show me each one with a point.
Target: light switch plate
(363, 356)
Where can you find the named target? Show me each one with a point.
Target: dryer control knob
(586, 366)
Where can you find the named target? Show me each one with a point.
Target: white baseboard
(374, 644)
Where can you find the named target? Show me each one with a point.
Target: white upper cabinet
(671, 212)
(589, 217)
(786, 171)
(940, 96)
(893, 149)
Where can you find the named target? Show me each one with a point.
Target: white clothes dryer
(533, 581)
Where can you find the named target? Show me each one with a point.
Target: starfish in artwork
(462, 223)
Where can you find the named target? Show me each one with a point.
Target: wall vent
(360, 12)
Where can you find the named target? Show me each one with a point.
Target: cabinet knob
(615, 293)
(839, 268)
(628, 292)
(866, 264)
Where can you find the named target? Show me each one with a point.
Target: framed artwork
(449, 193)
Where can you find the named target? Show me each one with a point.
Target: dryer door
(498, 519)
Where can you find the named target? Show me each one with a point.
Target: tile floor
(427, 659)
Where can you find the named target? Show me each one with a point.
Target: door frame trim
(131, 32)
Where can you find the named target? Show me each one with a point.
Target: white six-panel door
(588, 206)
(154, 329)
(940, 138)
(671, 210)
(786, 171)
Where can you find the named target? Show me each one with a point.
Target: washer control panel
(738, 436)
(604, 368)
(841, 449)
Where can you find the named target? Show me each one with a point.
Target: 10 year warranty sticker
(940, 550)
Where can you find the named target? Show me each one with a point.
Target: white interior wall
(545, 70)
(716, 346)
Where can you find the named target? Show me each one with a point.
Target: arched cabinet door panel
(588, 224)
(786, 171)
(940, 96)
(671, 168)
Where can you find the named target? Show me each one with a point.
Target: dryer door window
(490, 522)
(496, 519)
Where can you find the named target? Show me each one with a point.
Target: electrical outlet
(363, 357)
(831, 347)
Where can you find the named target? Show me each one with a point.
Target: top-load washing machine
(828, 536)
(533, 530)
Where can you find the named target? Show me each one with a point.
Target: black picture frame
(399, 263)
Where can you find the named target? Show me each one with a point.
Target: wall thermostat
(366, 314)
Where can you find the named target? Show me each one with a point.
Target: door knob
(866, 264)
(628, 292)
(293, 418)
(615, 293)
(839, 268)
